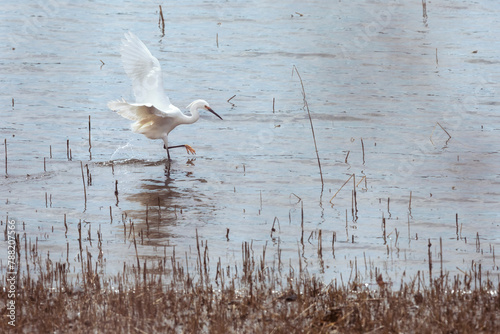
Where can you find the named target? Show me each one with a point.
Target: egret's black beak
(213, 112)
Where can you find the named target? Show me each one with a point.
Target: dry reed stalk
(136, 252)
(478, 243)
(65, 226)
(363, 178)
(424, 10)
(116, 192)
(334, 238)
(363, 149)
(354, 195)
(229, 100)
(5, 147)
(161, 22)
(84, 188)
(441, 256)
(352, 175)
(437, 123)
(90, 141)
(429, 253)
(409, 205)
(272, 228)
(384, 230)
(388, 206)
(312, 127)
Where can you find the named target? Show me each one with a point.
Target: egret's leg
(188, 148)
(168, 153)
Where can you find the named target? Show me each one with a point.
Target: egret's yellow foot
(189, 149)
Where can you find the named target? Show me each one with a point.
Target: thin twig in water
(306, 105)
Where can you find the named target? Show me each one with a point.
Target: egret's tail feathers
(144, 127)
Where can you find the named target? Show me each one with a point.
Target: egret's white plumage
(153, 114)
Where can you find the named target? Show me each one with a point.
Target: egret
(153, 114)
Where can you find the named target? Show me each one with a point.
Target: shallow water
(406, 102)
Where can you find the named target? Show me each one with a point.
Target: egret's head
(201, 104)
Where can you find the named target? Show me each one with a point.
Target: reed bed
(171, 295)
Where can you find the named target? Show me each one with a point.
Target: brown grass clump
(253, 298)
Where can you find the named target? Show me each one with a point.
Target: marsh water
(403, 103)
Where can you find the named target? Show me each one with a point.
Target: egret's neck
(194, 116)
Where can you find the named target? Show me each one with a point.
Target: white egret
(152, 112)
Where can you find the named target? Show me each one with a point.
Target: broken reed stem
(350, 177)
(84, 188)
(5, 146)
(424, 10)
(65, 226)
(437, 123)
(116, 192)
(136, 253)
(384, 231)
(199, 256)
(161, 22)
(478, 243)
(449, 136)
(229, 100)
(217, 39)
(320, 245)
(363, 149)
(355, 202)
(311, 122)
(363, 178)
(409, 205)
(430, 260)
(90, 141)
(441, 256)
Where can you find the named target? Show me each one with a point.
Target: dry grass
(250, 298)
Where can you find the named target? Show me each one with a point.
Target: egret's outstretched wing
(145, 71)
(149, 120)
